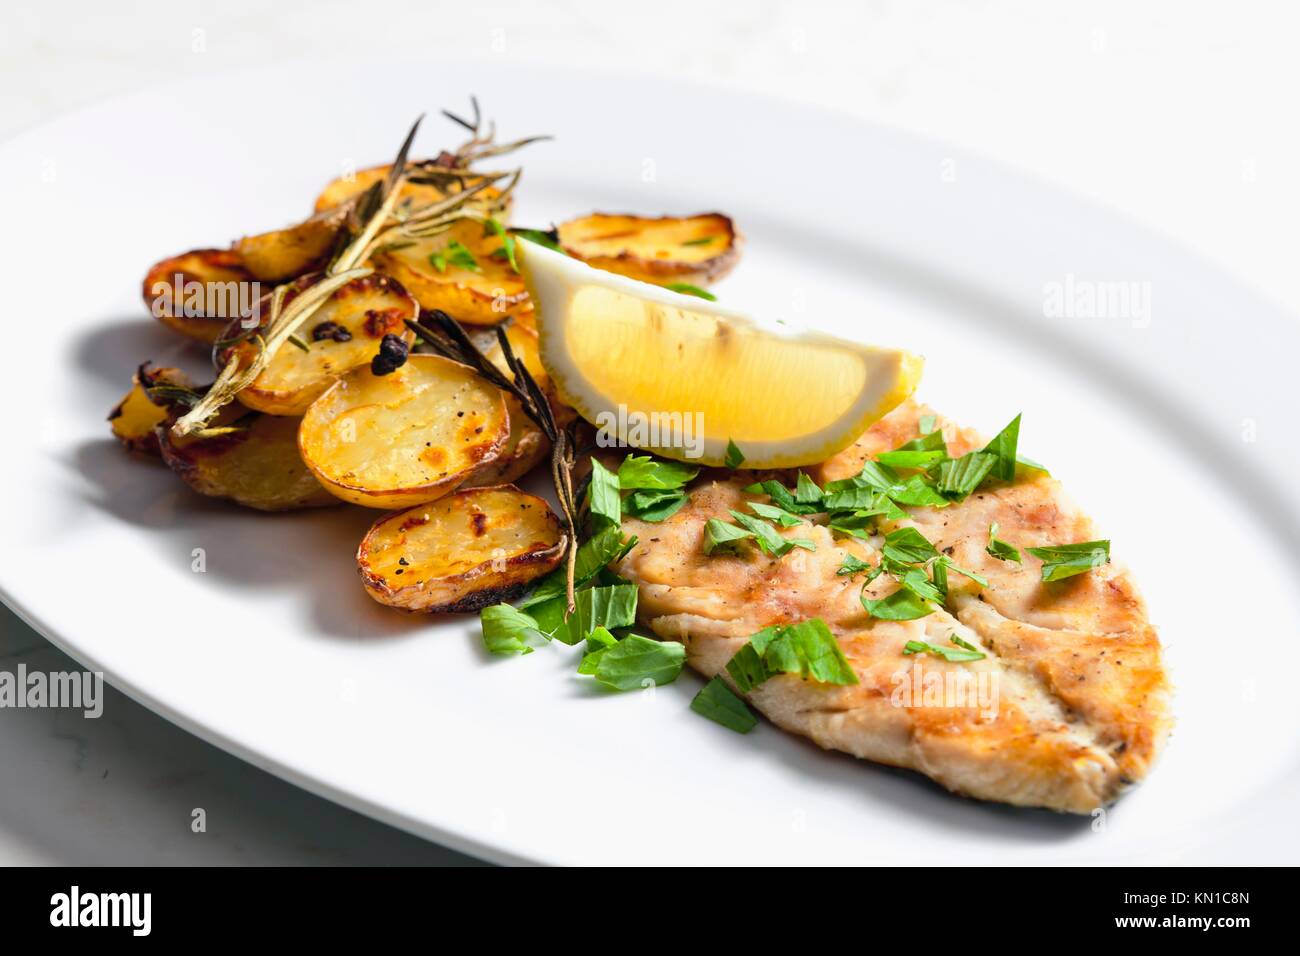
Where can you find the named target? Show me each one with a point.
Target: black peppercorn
(391, 355)
(330, 330)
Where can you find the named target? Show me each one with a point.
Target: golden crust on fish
(1069, 706)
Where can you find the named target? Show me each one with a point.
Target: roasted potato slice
(692, 249)
(343, 333)
(197, 293)
(286, 253)
(416, 434)
(460, 273)
(257, 466)
(525, 448)
(527, 445)
(412, 196)
(136, 416)
(462, 552)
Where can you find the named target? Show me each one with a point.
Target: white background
(1179, 115)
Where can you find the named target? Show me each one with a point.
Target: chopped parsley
(685, 288)
(610, 607)
(509, 631)
(551, 240)
(852, 565)
(720, 536)
(643, 471)
(1001, 549)
(963, 651)
(603, 494)
(633, 662)
(719, 703)
(456, 254)
(807, 648)
(1062, 561)
(507, 250)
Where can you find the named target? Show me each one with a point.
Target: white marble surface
(1177, 114)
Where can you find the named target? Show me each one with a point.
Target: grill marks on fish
(1082, 697)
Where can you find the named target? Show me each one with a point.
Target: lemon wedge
(683, 377)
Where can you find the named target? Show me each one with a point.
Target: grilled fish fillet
(1069, 706)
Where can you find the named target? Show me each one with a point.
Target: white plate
(1175, 433)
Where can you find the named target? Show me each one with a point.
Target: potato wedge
(462, 552)
(343, 334)
(258, 467)
(693, 249)
(287, 253)
(135, 417)
(197, 293)
(405, 438)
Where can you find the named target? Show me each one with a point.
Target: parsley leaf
(735, 457)
(851, 565)
(685, 288)
(767, 537)
(509, 631)
(644, 471)
(507, 243)
(958, 477)
(806, 491)
(945, 562)
(963, 652)
(603, 493)
(916, 581)
(608, 607)
(1062, 561)
(548, 239)
(603, 547)
(911, 458)
(807, 648)
(717, 702)
(908, 546)
(781, 497)
(1003, 448)
(1001, 549)
(457, 254)
(654, 505)
(635, 660)
(902, 605)
(773, 513)
(720, 536)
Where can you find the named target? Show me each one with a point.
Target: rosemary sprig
(367, 231)
(449, 339)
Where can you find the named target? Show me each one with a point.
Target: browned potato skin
(135, 417)
(288, 253)
(525, 449)
(263, 395)
(219, 467)
(645, 258)
(489, 582)
(199, 265)
(527, 446)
